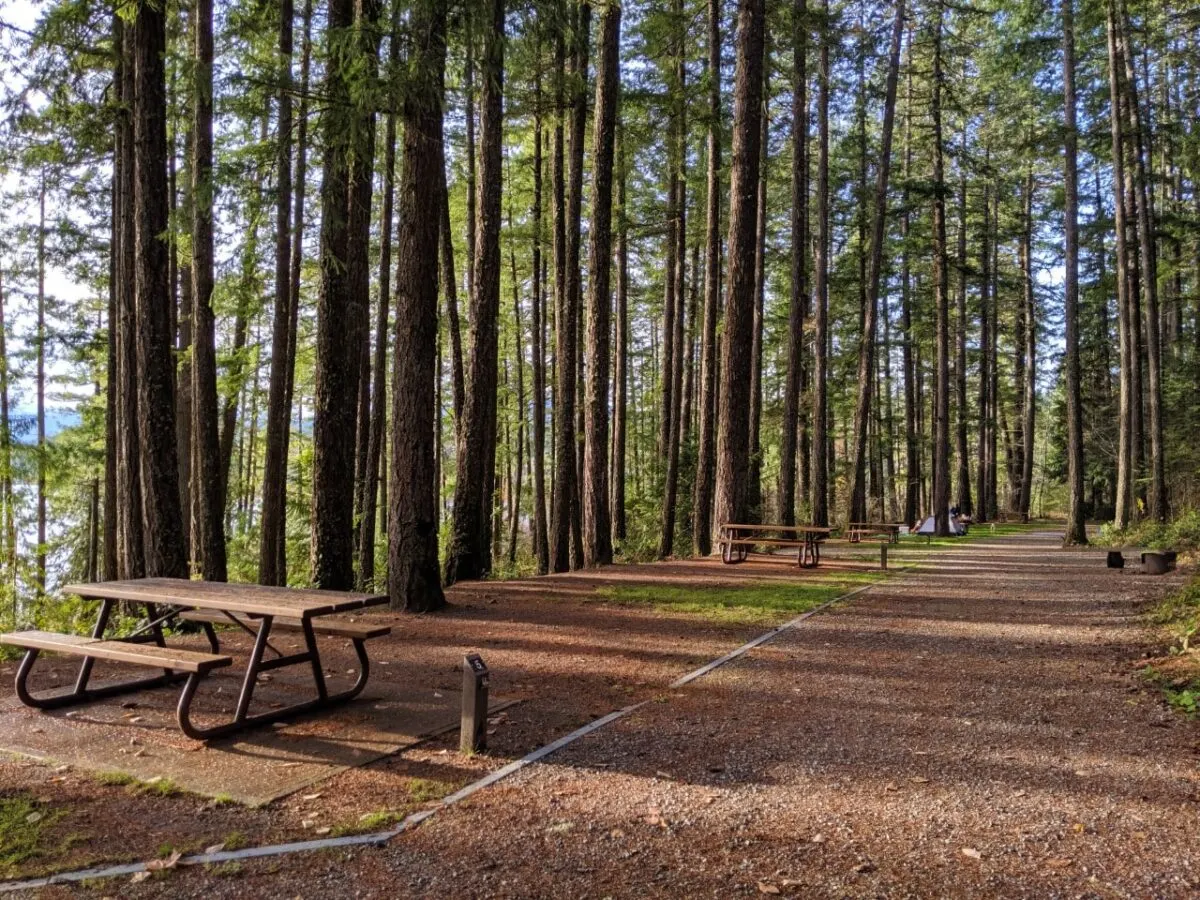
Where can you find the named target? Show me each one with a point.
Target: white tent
(928, 528)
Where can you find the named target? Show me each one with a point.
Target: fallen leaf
(971, 853)
(34, 817)
(919, 779)
(1079, 828)
(161, 865)
(766, 887)
(1058, 862)
(307, 823)
(323, 830)
(215, 848)
(139, 877)
(818, 838)
(311, 796)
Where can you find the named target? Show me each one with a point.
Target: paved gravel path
(973, 728)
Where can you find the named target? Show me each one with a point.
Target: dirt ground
(973, 727)
(552, 643)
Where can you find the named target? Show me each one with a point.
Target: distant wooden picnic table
(856, 531)
(256, 609)
(736, 541)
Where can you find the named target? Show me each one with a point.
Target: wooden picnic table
(736, 540)
(856, 531)
(256, 609)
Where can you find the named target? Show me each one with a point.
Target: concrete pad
(137, 734)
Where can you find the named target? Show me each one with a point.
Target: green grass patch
(975, 534)
(23, 824)
(235, 840)
(114, 778)
(373, 821)
(751, 603)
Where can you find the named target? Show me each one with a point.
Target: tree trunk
(676, 266)
(1076, 531)
(820, 417)
(912, 446)
(1123, 513)
(342, 303)
(162, 523)
(469, 555)
(274, 500)
(941, 436)
(597, 526)
(564, 382)
(568, 290)
(450, 287)
(866, 350)
(131, 557)
(40, 341)
(541, 537)
(621, 353)
(413, 579)
(372, 475)
(754, 478)
(733, 448)
(962, 478)
(1028, 407)
(515, 486)
(207, 453)
(8, 540)
(985, 510)
(706, 451)
(1147, 235)
(799, 295)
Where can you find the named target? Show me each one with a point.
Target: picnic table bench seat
(137, 654)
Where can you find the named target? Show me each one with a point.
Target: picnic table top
(876, 524)
(769, 527)
(253, 599)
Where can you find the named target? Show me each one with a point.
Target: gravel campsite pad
(974, 727)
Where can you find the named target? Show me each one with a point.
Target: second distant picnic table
(736, 540)
(856, 531)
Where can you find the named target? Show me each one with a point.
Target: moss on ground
(23, 831)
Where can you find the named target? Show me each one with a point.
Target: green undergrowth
(1181, 534)
(1178, 617)
(23, 831)
(751, 603)
(1182, 692)
(1176, 675)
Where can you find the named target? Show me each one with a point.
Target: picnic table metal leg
(85, 667)
(252, 669)
(310, 641)
(242, 720)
